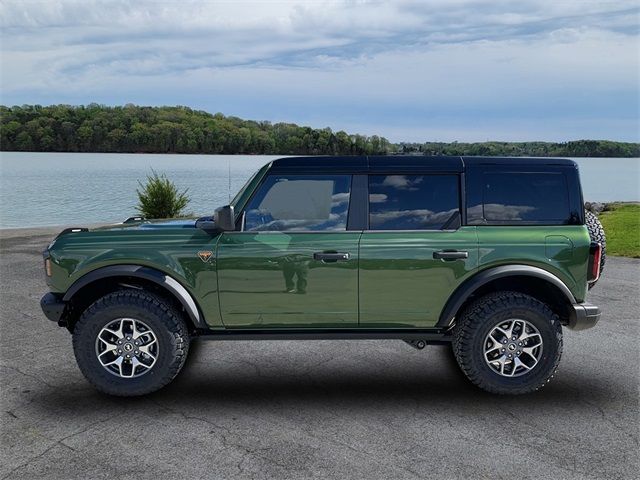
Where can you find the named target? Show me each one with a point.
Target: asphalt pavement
(314, 409)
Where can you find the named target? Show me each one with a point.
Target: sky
(441, 70)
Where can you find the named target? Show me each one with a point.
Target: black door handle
(331, 256)
(450, 255)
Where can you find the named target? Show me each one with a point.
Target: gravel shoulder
(324, 409)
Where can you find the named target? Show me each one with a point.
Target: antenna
(229, 175)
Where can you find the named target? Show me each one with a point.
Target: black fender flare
(463, 292)
(138, 271)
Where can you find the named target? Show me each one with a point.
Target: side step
(429, 336)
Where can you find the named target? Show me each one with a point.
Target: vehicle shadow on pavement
(208, 389)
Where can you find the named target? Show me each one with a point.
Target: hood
(163, 224)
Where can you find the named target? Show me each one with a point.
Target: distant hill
(135, 129)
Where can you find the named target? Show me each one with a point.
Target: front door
(415, 253)
(294, 264)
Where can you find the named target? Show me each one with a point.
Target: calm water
(40, 189)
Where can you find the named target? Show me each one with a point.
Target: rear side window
(522, 197)
(412, 202)
(300, 203)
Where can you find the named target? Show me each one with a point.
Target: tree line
(577, 148)
(136, 129)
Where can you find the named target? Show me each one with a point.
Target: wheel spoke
(502, 331)
(119, 331)
(145, 349)
(135, 333)
(523, 326)
(517, 363)
(109, 345)
(509, 333)
(529, 352)
(110, 348)
(493, 349)
(493, 339)
(503, 362)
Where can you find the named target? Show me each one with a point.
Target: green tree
(160, 198)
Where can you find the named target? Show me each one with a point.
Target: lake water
(42, 189)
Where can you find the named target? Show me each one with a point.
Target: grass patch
(621, 222)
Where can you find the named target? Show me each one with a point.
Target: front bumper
(583, 316)
(53, 307)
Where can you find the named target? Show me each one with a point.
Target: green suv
(490, 254)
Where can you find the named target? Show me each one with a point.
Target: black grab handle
(331, 256)
(450, 255)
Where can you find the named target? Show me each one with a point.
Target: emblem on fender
(205, 255)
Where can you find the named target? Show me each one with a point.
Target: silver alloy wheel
(127, 347)
(513, 347)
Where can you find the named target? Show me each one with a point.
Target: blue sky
(438, 70)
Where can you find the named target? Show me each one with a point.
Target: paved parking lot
(325, 409)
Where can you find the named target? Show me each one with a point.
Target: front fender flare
(457, 299)
(138, 271)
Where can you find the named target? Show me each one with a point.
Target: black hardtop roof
(405, 163)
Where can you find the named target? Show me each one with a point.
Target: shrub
(160, 198)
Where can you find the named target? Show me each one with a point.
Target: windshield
(242, 192)
(243, 189)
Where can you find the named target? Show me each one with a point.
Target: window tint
(300, 202)
(511, 197)
(412, 202)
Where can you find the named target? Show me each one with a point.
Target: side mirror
(225, 218)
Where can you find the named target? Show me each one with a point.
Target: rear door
(295, 263)
(415, 252)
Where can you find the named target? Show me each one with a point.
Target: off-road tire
(596, 232)
(477, 320)
(168, 325)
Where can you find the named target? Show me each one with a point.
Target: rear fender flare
(463, 292)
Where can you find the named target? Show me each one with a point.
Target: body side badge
(205, 255)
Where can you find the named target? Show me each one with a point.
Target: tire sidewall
(85, 350)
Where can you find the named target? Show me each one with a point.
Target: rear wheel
(130, 343)
(508, 343)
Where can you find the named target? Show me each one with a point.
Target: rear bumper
(583, 316)
(53, 306)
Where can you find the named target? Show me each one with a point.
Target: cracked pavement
(323, 409)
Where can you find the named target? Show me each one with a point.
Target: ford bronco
(492, 255)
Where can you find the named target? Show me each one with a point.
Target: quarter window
(300, 203)
(525, 197)
(412, 202)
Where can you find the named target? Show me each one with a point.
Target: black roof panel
(399, 163)
(517, 160)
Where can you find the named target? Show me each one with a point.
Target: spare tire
(596, 232)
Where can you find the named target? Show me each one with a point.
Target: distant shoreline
(181, 130)
(293, 155)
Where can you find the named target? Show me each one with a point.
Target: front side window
(300, 203)
(412, 202)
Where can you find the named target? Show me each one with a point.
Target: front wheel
(130, 342)
(508, 343)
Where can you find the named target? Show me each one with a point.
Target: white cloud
(401, 182)
(377, 198)
(405, 69)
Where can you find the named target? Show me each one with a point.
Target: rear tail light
(595, 254)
